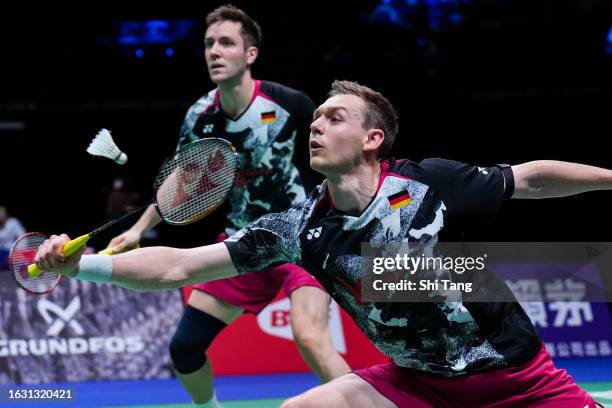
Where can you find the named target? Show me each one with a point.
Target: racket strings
(196, 181)
(23, 254)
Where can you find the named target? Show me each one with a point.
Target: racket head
(195, 181)
(22, 254)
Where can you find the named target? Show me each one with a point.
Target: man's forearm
(548, 179)
(159, 268)
(149, 219)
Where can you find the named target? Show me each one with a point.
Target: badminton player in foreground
(444, 354)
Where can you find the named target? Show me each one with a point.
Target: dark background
(506, 82)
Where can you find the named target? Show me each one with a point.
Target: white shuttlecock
(103, 145)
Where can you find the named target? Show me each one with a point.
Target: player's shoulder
(424, 171)
(205, 102)
(436, 164)
(402, 167)
(285, 96)
(271, 88)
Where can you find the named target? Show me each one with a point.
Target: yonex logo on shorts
(314, 233)
(64, 316)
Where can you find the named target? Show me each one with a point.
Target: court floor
(263, 391)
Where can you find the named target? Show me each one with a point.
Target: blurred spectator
(10, 230)
(124, 197)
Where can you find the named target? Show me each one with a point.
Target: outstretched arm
(153, 268)
(549, 178)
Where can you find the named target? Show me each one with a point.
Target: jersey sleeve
(469, 191)
(270, 241)
(188, 124)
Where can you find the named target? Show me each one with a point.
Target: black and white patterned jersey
(447, 338)
(271, 138)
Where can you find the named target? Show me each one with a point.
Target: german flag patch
(399, 200)
(268, 117)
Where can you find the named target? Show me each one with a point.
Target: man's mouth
(315, 145)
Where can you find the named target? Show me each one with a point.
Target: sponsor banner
(569, 325)
(84, 331)
(275, 321)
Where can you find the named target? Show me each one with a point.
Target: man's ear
(252, 53)
(374, 139)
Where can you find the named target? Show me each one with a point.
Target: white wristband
(95, 268)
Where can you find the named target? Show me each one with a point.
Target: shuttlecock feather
(103, 145)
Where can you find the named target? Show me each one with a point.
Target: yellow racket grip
(109, 251)
(70, 248)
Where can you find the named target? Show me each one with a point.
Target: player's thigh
(214, 306)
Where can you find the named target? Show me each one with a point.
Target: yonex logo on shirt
(483, 170)
(208, 128)
(314, 233)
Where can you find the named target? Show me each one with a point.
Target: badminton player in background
(268, 124)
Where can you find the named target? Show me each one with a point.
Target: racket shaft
(70, 248)
(109, 251)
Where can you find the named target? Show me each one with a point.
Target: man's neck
(353, 191)
(236, 95)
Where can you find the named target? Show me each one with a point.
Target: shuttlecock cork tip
(122, 159)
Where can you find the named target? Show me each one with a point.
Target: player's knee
(181, 346)
(315, 398)
(290, 403)
(296, 402)
(195, 332)
(309, 340)
(187, 353)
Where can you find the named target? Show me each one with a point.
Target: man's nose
(214, 51)
(316, 127)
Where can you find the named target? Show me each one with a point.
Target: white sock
(212, 403)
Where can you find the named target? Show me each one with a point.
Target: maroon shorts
(536, 383)
(254, 291)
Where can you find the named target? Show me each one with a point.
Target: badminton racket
(23, 253)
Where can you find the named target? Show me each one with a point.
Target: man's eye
(336, 119)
